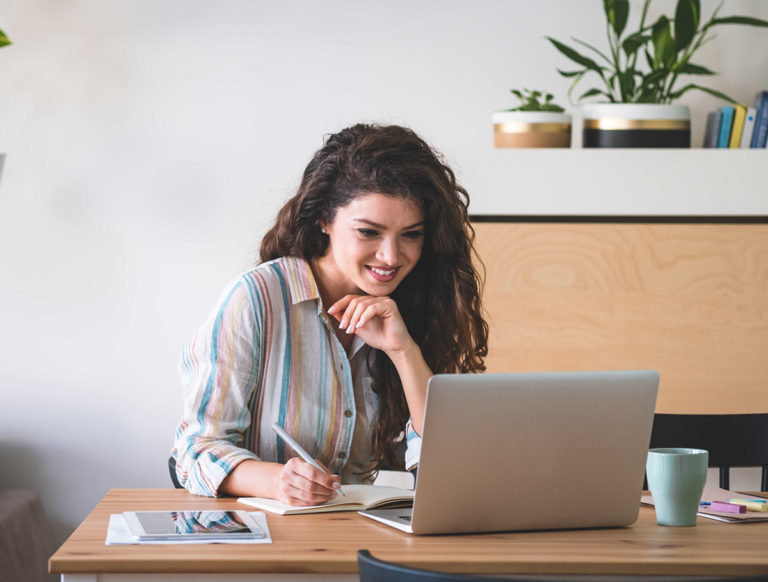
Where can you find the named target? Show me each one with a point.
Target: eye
(413, 234)
(368, 232)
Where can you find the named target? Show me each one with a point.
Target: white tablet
(211, 525)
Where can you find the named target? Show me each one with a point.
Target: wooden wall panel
(688, 300)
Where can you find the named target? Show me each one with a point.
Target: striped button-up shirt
(268, 353)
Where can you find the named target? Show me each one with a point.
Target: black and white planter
(636, 125)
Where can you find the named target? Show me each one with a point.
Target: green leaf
(576, 57)
(655, 76)
(633, 42)
(663, 43)
(568, 74)
(691, 86)
(686, 23)
(626, 85)
(691, 69)
(617, 12)
(574, 83)
(4, 40)
(740, 20)
(589, 46)
(649, 59)
(592, 93)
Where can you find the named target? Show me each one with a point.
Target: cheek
(415, 252)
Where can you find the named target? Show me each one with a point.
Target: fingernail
(350, 329)
(336, 485)
(343, 324)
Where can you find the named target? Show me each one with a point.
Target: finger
(370, 312)
(337, 309)
(313, 495)
(307, 478)
(323, 465)
(299, 499)
(289, 493)
(359, 308)
(349, 310)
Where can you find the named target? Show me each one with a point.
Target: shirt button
(347, 413)
(342, 454)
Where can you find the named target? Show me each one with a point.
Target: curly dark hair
(439, 299)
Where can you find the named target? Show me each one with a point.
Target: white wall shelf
(620, 182)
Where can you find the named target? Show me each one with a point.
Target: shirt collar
(303, 287)
(301, 282)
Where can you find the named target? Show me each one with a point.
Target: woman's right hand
(299, 483)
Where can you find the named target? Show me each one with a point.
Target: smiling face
(374, 242)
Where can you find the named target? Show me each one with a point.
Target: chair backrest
(733, 440)
(376, 570)
(172, 471)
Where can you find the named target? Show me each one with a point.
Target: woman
(366, 287)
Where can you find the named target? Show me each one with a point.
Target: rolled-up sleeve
(412, 447)
(219, 368)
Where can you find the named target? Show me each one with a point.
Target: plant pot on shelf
(531, 129)
(636, 125)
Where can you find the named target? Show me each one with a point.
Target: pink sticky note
(727, 507)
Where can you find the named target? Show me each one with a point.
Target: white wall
(149, 144)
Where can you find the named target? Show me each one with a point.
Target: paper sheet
(118, 533)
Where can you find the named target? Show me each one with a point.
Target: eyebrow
(382, 227)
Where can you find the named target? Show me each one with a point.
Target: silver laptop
(530, 451)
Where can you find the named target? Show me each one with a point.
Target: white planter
(635, 125)
(531, 129)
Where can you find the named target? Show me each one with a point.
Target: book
(726, 122)
(749, 126)
(717, 494)
(739, 113)
(760, 132)
(712, 129)
(355, 498)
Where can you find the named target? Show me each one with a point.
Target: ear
(323, 227)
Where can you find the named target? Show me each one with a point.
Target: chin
(379, 289)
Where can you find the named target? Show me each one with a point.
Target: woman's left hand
(375, 319)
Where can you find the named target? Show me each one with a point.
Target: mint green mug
(676, 478)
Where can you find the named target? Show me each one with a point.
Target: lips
(381, 274)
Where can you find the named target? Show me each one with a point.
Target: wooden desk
(324, 546)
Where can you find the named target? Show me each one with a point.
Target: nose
(388, 251)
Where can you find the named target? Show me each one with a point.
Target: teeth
(382, 272)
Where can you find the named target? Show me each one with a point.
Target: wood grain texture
(688, 300)
(328, 543)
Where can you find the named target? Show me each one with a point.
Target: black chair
(375, 570)
(733, 440)
(172, 469)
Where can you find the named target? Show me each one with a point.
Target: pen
(297, 447)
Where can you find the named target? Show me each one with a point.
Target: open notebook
(355, 498)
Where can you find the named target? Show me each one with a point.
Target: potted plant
(532, 124)
(639, 75)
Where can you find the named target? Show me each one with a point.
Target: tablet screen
(190, 523)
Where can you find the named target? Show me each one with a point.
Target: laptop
(530, 451)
